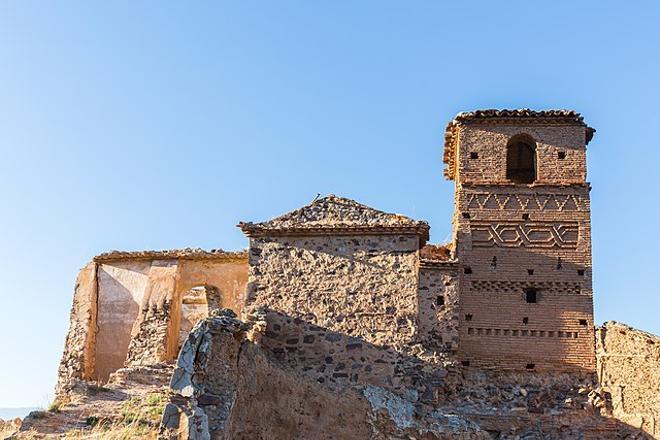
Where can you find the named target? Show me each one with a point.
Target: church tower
(522, 236)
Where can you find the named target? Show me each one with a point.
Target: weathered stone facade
(352, 326)
(629, 372)
(128, 307)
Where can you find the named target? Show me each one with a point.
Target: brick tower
(522, 236)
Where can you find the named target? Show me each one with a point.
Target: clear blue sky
(149, 125)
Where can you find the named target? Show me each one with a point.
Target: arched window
(521, 159)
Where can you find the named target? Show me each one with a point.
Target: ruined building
(337, 296)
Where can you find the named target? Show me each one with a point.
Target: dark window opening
(493, 263)
(530, 366)
(474, 155)
(525, 216)
(521, 159)
(440, 300)
(466, 215)
(465, 363)
(530, 295)
(467, 270)
(559, 263)
(468, 317)
(525, 320)
(580, 272)
(561, 155)
(530, 271)
(583, 322)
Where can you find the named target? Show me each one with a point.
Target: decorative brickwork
(524, 248)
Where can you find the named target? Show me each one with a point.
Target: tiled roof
(332, 215)
(494, 116)
(171, 254)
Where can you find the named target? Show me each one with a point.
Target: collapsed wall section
(128, 307)
(628, 366)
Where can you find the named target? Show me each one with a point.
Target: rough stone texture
(438, 306)
(231, 383)
(513, 237)
(629, 373)
(359, 285)
(78, 359)
(226, 387)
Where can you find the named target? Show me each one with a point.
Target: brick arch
(521, 163)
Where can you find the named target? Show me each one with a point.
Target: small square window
(525, 216)
(474, 155)
(530, 366)
(467, 270)
(580, 272)
(583, 322)
(468, 317)
(440, 300)
(525, 320)
(466, 215)
(465, 363)
(530, 271)
(530, 295)
(561, 155)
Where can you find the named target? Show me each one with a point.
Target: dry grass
(139, 419)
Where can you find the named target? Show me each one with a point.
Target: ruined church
(347, 296)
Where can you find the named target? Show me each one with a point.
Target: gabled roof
(516, 116)
(336, 215)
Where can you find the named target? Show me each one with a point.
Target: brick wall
(511, 239)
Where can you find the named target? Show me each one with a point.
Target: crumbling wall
(628, 365)
(227, 387)
(78, 359)
(438, 306)
(340, 361)
(152, 329)
(127, 307)
(363, 285)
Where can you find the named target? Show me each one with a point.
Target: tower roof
(332, 215)
(515, 116)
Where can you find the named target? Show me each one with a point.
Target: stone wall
(363, 285)
(79, 357)
(438, 306)
(227, 387)
(127, 307)
(629, 372)
(340, 361)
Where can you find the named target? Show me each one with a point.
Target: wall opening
(530, 295)
(521, 159)
(196, 304)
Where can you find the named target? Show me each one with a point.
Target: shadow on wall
(526, 310)
(121, 288)
(426, 390)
